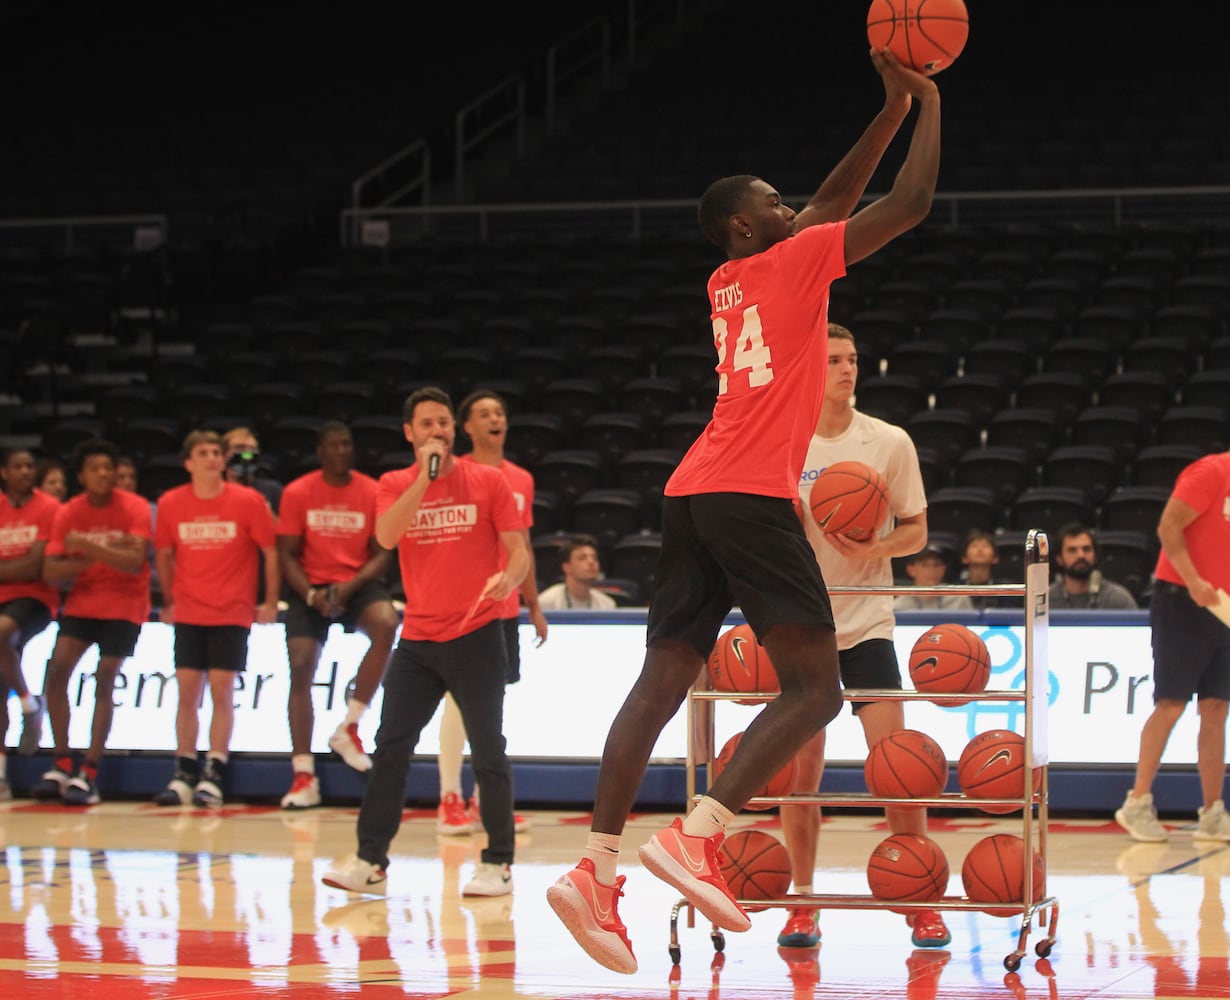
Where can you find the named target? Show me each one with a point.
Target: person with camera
(242, 453)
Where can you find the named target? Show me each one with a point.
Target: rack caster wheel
(1012, 962)
(676, 954)
(1043, 948)
(719, 941)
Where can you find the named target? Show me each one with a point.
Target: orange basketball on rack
(994, 872)
(992, 766)
(907, 764)
(781, 783)
(739, 664)
(950, 659)
(849, 498)
(907, 868)
(755, 865)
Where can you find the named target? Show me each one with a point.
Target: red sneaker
(692, 865)
(930, 931)
(476, 820)
(451, 818)
(589, 911)
(804, 969)
(801, 930)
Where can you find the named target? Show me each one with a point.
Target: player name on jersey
(450, 518)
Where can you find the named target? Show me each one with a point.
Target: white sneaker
(1138, 816)
(1214, 825)
(356, 875)
(346, 744)
(304, 792)
(489, 880)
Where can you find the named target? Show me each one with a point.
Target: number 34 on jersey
(751, 353)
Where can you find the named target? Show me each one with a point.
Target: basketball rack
(1035, 815)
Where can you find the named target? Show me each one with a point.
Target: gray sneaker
(1214, 824)
(1138, 816)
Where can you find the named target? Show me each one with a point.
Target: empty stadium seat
(1005, 470)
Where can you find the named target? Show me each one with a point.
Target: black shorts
(211, 647)
(115, 637)
(870, 664)
(725, 549)
(303, 622)
(1191, 648)
(30, 614)
(512, 644)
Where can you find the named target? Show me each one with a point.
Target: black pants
(471, 668)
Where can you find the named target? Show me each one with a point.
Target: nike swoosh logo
(697, 867)
(930, 663)
(603, 912)
(737, 644)
(828, 517)
(1004, 755)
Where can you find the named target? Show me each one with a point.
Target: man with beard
(1082, 585)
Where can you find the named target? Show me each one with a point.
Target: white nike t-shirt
(889, 449)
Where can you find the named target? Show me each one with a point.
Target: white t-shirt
(887, 448)
(557, 598)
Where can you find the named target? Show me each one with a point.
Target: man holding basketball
(865, 622)
(729, 532)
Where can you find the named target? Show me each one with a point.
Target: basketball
(926, 35)
(992, 766)
(738, 663)
(950, 659)
(755, 865)
(781, 783)
(907, 764)
(907, 868)
(849, 498)
(994, 872)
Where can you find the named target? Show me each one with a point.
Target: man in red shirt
(1189, 613)
(27, 603)
(209, 540)
(484, 418)
(99, 542)
(334, 571)
(729, 531)
(462, 552)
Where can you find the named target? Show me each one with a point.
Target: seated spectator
(1081, 584)
(579, 561)
(50, 478)
(980, 557)
(927, 568)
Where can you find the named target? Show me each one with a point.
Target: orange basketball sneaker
(929, 930)
(692, 866)
(589, 911)
(802, 930)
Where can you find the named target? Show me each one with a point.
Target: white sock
(354, 712)
(804, 890)
(603, 850)
(708, 818)
(452, 748)
(303, 763)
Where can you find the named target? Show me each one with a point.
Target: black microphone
(433, 466)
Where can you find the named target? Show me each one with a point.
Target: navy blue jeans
(472, 668)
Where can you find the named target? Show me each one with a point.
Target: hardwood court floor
(124, 900)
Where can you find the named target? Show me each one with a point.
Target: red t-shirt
(100, 591)
(1205, 487)
(336, 524)
(20, 529)
(522, 485)
(216, 543)
(452, 548)
(770, 329)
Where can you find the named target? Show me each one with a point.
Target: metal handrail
(600, 53)
(420, 181)
(513, 85)
(71, 223)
